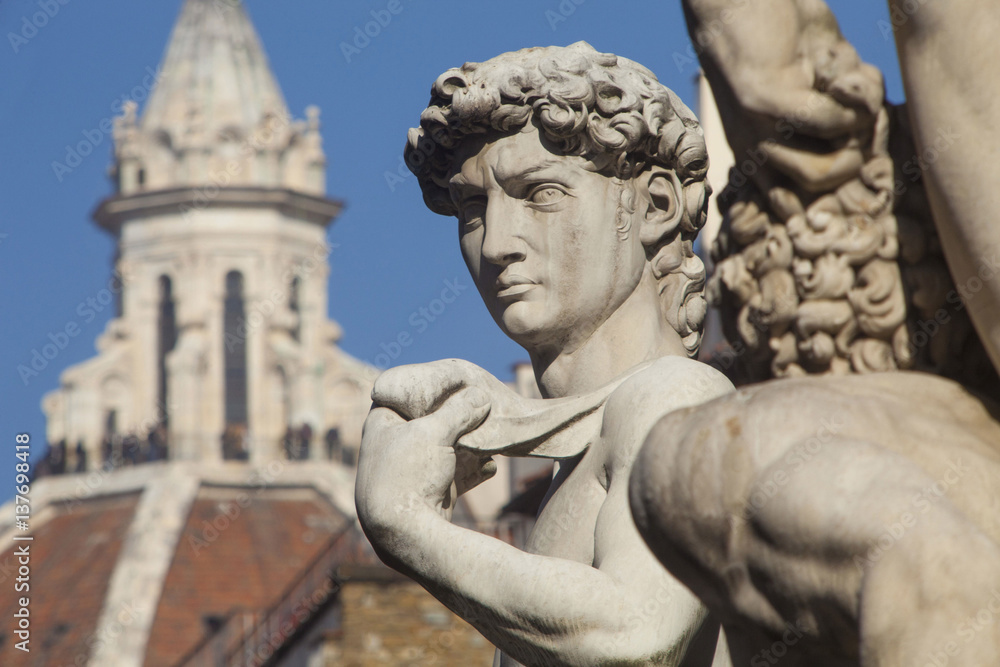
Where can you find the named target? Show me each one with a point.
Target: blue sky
(392, 256)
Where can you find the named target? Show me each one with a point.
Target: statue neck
(635, 333)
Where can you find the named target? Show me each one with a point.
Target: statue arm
(802, 482)
(545, 610)
(537, 609)
(947, 56)
(767, 53)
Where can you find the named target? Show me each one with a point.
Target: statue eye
(546, 194)
(472, 214)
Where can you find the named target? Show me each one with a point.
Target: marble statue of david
(578, 183)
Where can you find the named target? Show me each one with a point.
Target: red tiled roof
(241, 547)
(72, 558)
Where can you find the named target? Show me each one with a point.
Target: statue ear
(662, 202)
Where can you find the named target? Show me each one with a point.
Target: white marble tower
(220, 217)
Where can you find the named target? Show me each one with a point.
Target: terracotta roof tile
(241, 547)
(72, 558)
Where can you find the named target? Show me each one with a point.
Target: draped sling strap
(554, 428)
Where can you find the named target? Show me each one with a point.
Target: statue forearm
(785, 61)
(537, 609)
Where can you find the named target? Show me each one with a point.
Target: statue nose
(503, 225)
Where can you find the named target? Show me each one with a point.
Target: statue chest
(565, 526)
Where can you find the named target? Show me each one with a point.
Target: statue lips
(513, 286)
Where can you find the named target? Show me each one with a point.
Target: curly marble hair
(588, 104)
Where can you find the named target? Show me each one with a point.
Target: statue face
(538, 233)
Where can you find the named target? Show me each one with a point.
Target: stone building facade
(220, 216)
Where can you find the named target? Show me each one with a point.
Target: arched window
(235, 340)
(117, 287)
(111, 423)
(110, 441)
(293, 305)
(167, 328)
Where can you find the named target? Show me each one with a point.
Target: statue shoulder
(666, 385)
(673, 382)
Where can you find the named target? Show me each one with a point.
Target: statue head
(575, 175)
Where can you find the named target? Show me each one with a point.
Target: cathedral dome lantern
(216, 114)
(220, 218)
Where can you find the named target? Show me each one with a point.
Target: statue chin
(525, 325)
(516, 319)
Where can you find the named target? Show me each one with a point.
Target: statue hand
(404, 465)
(416, 390)
(471, 470)
(557, 428)
(792, 91)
